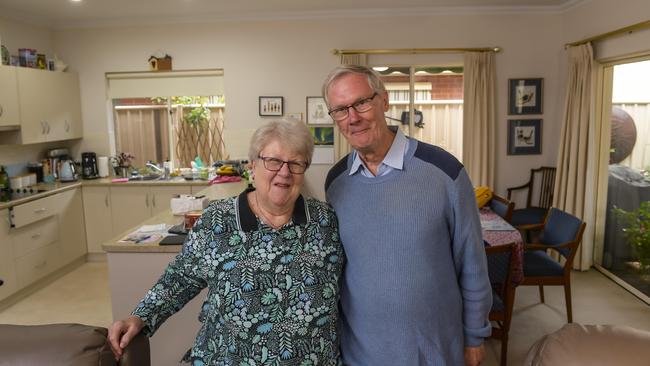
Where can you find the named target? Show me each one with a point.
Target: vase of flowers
(122, 164)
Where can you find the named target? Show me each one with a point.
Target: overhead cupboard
(39, 106)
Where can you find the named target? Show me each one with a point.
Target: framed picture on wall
(317, 112)
(323, 136)
(524, 136)
(271, 106)
(525, 96)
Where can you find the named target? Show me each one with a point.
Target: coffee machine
(89, 165)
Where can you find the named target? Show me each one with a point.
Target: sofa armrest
(137, 352)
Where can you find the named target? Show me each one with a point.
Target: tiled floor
(82, 296)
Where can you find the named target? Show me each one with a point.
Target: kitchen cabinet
(7, 267)
(49, 106)
(71, 223)
(9, 115)
(97, 215)
(131, 205)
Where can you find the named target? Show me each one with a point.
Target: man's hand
(474, 355)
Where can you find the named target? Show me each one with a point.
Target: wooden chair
(500, 271)
(561, 232)
(540, 187)
(502, 207)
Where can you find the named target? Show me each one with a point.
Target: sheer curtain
(576, 177)
(479, 117)
(341, 145)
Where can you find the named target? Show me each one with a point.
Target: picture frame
(271, 106)
(317, 112)
(525, 96)
(524, 136)
(323, 136)
(297, 116)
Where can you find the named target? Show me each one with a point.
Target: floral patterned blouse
(273, 294)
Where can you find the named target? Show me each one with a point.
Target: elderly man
(415, 289)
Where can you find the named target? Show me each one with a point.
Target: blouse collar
(247, 221)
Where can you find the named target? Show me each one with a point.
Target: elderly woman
(271, 260)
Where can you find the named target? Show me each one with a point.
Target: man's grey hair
(290, 133)
(374, 80)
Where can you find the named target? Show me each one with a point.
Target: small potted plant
(122, 163)
(637, 233)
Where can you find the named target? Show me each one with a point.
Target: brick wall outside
(443, 87)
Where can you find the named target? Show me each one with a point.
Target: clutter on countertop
(225, 179)
(146, 234)
(186, 203)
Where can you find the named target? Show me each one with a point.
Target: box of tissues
(186, 203)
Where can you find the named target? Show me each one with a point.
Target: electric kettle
(67, 171)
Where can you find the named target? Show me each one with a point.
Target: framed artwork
(323, 136)
(317, 112)
(297, 116)
(524, 136)
(525, 96)
(271, 106)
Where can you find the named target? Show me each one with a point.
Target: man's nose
(353, 115)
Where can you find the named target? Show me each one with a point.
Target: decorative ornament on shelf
(160, 63)
(59, 65)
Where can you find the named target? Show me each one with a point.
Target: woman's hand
(122, 332)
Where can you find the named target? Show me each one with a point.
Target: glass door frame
(603, 91)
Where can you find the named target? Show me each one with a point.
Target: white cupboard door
(66, 121)
(7, 268)
(9, 115)
(97, 214)
(71, 220)
(129, 207)
(38, 100)
(161, 197)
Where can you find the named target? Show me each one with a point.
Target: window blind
(167, 83)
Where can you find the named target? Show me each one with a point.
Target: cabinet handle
(43, 127)
(1, 111)
(153, 199)
(106, 200)
(40, 265)
(146, 200)
(48, 127)
(36, 236)
(40, 210)
(67, 126)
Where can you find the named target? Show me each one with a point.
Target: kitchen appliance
(67, 171)
(36, 168)
(102, 166)
(89, 165)
(55, 156)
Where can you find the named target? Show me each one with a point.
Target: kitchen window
(172, 115)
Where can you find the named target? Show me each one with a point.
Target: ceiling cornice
(289, 15)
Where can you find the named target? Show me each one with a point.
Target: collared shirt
(394, 159)
(273, 294)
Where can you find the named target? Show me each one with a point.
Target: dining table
(497, 231)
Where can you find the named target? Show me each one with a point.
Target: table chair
(500, 268)
(561, 232)
(539, 197)
(502, 207)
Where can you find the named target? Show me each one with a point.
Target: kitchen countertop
(213, 192)
(58, 187)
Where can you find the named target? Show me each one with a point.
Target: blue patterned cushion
(537, 263)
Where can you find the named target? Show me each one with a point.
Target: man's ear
(384, 99)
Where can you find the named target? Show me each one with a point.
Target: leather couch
(593, 345)
(66, 344)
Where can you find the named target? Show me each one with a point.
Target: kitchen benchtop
(58, 187)
(216, 191)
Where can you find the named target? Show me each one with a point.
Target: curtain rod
(629, 29)
(415, 51)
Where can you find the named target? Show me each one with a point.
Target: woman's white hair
(290, 132)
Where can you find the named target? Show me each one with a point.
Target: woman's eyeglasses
(274, 165)
(363, 105)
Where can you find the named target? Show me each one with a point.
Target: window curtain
(576, 177)
(341, 145)
(479, 116)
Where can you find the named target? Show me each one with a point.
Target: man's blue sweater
(415, 288)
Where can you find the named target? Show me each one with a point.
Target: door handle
(106, 200)
(39, 210)
(153, 200)
(48, 127)
(43, 127)
(1, 111)
(67, 126)
(146, 200)
(36, 236)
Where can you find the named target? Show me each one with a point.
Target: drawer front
(37, 235)
(37, 264)
(30, 212)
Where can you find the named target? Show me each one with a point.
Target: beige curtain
(341, 146)
(479, 117)
(576, 169)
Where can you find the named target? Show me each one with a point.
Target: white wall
(290, 58)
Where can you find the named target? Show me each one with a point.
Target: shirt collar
(394, 157)
(247, 221)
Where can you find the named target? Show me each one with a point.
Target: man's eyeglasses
(274, 165)
(363, 105)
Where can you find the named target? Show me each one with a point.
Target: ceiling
(91, 13)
